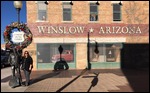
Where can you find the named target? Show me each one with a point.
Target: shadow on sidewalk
(45, 76)
(63, 87)
(6, 79)
(138, 79)
(94, 81)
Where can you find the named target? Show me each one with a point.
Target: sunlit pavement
(94, 80)
(5, 77)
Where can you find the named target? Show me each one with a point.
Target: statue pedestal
(14, 82)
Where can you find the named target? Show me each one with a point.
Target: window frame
(96, 13)
(116, 12)
(55, 51)
(66, 3)
(46, 17)
(103, 51)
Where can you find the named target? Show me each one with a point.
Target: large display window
(49, 53)
(107, 53)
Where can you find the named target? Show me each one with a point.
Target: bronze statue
(15, 61)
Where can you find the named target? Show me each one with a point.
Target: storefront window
(107, 53)
(49, 53)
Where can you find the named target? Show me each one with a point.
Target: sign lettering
(80, 30)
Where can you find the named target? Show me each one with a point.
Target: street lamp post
(18, 6)
(16, 80)
(88, 51)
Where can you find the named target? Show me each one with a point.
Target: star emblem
(91, 30)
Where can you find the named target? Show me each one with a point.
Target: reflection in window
(48, 53)
(93, 12)
(110, 53)
(42, 12)
(107, 53)
(96, 57)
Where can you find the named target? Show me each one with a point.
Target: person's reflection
(61, 64)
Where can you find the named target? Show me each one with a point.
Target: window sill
(40, 21)
(93, 21)
(67, 21)
(117, 21)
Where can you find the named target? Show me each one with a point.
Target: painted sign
(72, 30)
(81, 30)
(18, 37)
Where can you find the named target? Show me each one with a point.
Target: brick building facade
(109, 24)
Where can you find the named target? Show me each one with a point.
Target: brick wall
(134, 12)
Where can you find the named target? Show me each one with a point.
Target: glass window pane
(110, 55)
(49, 53)
(93, 8)
(66, 16)
(42, 6)
(93, 12)
(107, 53)
(93, 17)
(67, 6)
(116, 7)
(42, 15)
(100, 57)
(66, 12)
(116, 12)
(42, 50)
(116, 16)
(42, 12)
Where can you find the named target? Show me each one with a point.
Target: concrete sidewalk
(95, 80)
